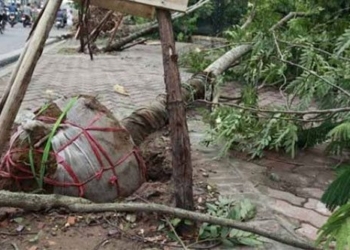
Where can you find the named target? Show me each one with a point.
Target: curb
(13, 58)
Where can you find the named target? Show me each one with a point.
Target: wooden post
(180, 142)
(26, 68)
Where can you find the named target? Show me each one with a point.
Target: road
(14, 38)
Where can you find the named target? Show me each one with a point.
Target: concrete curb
(13, 56)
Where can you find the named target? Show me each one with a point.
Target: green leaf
(225, 232)
(175, 221)
(233, 233)
(188, 222)
(338, 192)
(18, 220)
(249, 242)
(227, 243)
(211, 207)
(214, 231)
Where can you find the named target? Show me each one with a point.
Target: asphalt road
(14, 38)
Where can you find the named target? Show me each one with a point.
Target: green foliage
(195, 60)
(338, 192)
(230, 237)
(306, 57)
(210, 19)
(340, 138)
(336, 229)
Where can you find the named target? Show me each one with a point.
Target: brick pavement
(139, 70)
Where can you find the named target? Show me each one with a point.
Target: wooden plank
(127, 7)
(26, 66)
(176, 5)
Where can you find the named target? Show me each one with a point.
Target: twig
(16, 234)
(143, 40)
(311, 72)
(100, 244)
(249, 19)
(175, 233)
(291, 112)
(314, 48)
(287, 18)
(38, 202)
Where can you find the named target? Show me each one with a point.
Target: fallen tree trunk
(40, 202)
(145, 121)
(149, 29)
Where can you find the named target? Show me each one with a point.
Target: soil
(56, 229)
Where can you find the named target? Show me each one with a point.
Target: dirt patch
(59, 230)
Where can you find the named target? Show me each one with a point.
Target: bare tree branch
(38, 202)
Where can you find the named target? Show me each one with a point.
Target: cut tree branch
(40, 202)
(153, 26)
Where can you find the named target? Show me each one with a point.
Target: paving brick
(308, 231)
(317, 206)
(291, 198)
(311, 192)
(301, 214)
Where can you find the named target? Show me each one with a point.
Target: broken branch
(39, 202)
(153, 26)
(291, 112)
(285, 19)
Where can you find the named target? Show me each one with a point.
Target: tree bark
(147, 120)
(30, 58)
(180, 142)
(36, 202)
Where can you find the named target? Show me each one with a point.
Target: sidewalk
(139, 70)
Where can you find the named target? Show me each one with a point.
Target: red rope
(8, 166)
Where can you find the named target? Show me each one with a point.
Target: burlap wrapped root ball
(90, 154)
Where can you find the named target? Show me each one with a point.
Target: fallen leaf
(18, 220)
(41, 225)
(4, 223)
(35, 238)
(200, 200)
(20, 228)
(131, 217)
(113, 232)
(120, 90)
(71, 220)
(155, 238)
(51, 243)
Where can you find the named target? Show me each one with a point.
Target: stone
(301, 214)
(317, 206)
(280, 195)
(313, 192)
(308, 231)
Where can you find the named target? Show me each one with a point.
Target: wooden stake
(26, 68)
(12, 78)
(114, 32)
(181, 151)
